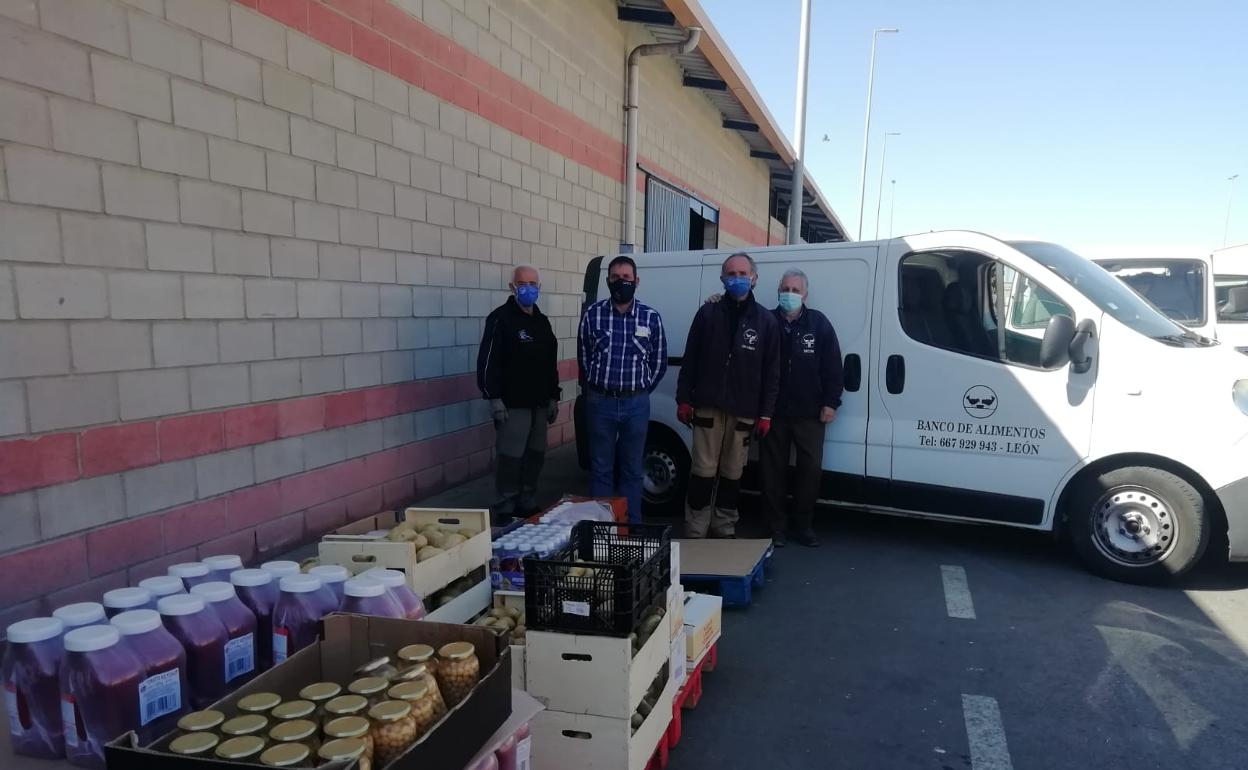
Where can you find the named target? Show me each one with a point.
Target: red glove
(764, 426)
(684, 413)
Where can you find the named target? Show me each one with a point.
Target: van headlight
(1239, 393)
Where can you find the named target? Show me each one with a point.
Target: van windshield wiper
(1186, 340)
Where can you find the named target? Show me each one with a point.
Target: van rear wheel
(665, 473)
(1138, 524)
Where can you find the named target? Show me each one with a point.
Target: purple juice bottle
(80, 614)
(121, 600)
(366, 596)
(100, 680)
(220, 567)
(30, 674)
(163, 585)
(164, 693)
(240, 624)
(334, 577)
(396, 585)
(297, 615)
(203, 636)
(192, 573)
(258, 590)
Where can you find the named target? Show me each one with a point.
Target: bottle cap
(126, 598)
(363, 587)
(300, 584)
(456, 650)
(200, 721)
(194, 744)
(34, 630)
(189, 569)
(214, 591)
(133, 622)
(226, 561)
(80, 614)
(91, 638)
(331, 573)
(163, 585)
(390, 578)
(180, 604)
(259, 702)
(293, 709)
(281, 569)
(251, 577)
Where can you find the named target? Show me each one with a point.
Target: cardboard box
(523, 708)
(703, 617)
(351, 547)
(679, 664)
(348, 641)
(598, 675)
(676, 607)
(563, 741)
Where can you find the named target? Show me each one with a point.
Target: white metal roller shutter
(667, 217)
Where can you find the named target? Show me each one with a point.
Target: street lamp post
(866, 134)
(797, 197)
(879, 198)
(1230, 196)
(892, 206)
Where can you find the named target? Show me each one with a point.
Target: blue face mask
(527, 295)
(790, 302)
(737, 286)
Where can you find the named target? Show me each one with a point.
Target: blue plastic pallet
(736, 591)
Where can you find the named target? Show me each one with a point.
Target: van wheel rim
(658, 475)
(1134, 527)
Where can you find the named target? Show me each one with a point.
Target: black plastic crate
(631, 571)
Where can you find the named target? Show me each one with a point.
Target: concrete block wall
(246, 251)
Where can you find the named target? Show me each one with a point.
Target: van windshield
(1176, 287)
(1109, 294)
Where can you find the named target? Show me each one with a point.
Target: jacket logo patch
(750, 340)
(808, 343)
(525, 336)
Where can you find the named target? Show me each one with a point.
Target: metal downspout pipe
(693, 35)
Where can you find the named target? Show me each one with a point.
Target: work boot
(777, 539)
(807, 538)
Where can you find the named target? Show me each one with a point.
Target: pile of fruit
(430, 539)
(650, 699)
(504, 620)
(645, 629)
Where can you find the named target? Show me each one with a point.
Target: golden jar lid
(194, 744)
(293, 709)
(343, 748)
(286, 755)
(415, 653)
(293, 731)
(389, 711)
(457, 650)
(372, 667)
(346, 727)
(320, 692)
(369, 685)
(259, 703)
(347, 705)
(248, 724)
(243, 747)
(200, 721)
(412, 673)
(408, 691)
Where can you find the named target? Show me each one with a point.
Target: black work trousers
(804, 435)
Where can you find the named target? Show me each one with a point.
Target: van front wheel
(665, 470)
(1138, 524)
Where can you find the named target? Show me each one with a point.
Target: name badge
(642, 331)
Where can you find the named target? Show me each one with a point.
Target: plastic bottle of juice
(192, 573)
(164, 695)
(80, 614)
(396, 585)
(333, 576)
(281, 568)
(121, 600)
(163, 585)
(100, 680)
(240, 624)
(297, 615)
(366, 596)
(221, 566)
(203, 636)
(258, 590)
(30, 674)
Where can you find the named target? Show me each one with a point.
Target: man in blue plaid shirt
(622, 352)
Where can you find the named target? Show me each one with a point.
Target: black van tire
(665, 459)
(1138, 524)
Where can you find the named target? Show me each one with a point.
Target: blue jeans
(617, 432)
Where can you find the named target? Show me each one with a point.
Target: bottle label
(281, 641)
(69, 720)
(524, 748)
(10, 705)
(159, 694)
(240, 657)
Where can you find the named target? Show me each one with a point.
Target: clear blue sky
(1094, 123)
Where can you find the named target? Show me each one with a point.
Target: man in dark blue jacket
(810, 393)
(726, 392)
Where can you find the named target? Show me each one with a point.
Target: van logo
(751, 339)
(980, 401)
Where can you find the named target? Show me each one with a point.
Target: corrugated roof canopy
(713, 69)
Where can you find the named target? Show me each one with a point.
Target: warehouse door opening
(676, 220)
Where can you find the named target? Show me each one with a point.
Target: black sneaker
(807, 538)
(777, 539)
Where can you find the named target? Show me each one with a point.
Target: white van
(1207, 294)
(1011, 383)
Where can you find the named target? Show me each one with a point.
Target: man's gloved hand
(684, 413)
(498, 411)
(553, 412)
(763, 427)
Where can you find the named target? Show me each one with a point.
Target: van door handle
(895, 374)
(852, 376)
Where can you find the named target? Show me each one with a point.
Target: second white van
(1012, 383)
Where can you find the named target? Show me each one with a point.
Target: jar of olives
(346, 706)
(381, 667)
(293, 709)
(320, 694)
(458, 671)
(394, 729)
(287, 755)
(346, 749)
(424, 710)
(245, 748)
(417, 653)
(201, 721)
(373, 688)
(296, 731)
(194, 745)
(351, 727)
(247, 724)
(259, 703)
(420, 673)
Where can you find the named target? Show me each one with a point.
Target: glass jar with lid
(245, 748)
(287, 755)
(293, 709)
(381, 667)
(371, 687)
(302, 731)
(420, 673)
(424, 709)
(345, 749)
(259, 703)
(458, 671)
(347, 706)
(204, 721)
(320, 694)
(393, 730)
(195, 745)
(348, 728)
(247, 724)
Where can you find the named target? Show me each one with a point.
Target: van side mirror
(1058, 336)
(1080, 353)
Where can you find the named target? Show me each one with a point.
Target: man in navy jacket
(810, 393)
